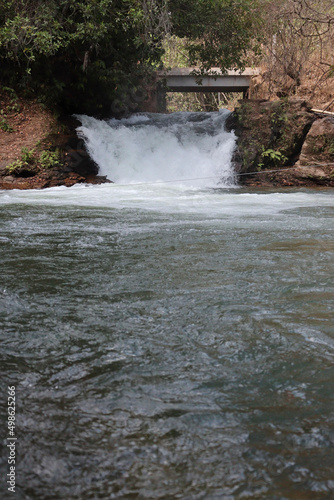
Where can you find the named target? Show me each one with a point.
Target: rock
(308, 172)
(77, 158)
(98, 179)
(320, 176)
(270, 134)
(73, 179)
(26, 171)
(318, 147)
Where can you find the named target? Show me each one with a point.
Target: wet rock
(282, 143)
(73, 179)
(73, 164)
(310, 172)
(98, 179)
(77, 158)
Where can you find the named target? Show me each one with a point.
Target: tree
(84, 54)
(73, 51)
(220, 33)
(298, 42)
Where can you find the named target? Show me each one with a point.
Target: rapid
(169, 335)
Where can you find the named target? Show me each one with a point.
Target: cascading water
(191, 148)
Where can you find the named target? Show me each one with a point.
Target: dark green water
(177, 347)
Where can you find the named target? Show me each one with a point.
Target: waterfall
(189, 148)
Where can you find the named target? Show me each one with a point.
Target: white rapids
(191, 148)
(170, 164)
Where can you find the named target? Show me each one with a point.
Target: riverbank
(40, 150)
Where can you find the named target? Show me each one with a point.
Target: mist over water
(168, 340)
(153, 147)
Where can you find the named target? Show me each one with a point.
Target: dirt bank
(38, 149)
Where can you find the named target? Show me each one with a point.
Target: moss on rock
(270, 133)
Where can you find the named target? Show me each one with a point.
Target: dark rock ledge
(282, 143)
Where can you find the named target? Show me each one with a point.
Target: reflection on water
(172, 347)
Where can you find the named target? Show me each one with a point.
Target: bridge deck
(182, 80)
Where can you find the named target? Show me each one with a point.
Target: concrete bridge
(183, 80)
(186, 80)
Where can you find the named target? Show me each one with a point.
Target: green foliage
(280, 117)
(74, 53)
(219, 32)
(27, 156)
(175, 53)
(15, 166)
(26, 163)
(86, 54)
(4, 125)
(49, 159)
(32, 162)
(12, 100)
(18, 166)
(273, 157)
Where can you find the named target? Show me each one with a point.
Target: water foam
(191, 148)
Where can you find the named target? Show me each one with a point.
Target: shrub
(49, 159)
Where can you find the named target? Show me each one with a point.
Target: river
(169, 336)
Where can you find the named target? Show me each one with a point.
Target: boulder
(318, 147)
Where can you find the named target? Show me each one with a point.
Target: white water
(178, 164)
(182, 147)
(174, 199)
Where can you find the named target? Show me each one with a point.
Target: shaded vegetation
(79, 54)
(83, 55)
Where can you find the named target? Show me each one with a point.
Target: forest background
(82, 56)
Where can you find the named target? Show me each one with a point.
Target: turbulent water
(174, 148)
(168, 340)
